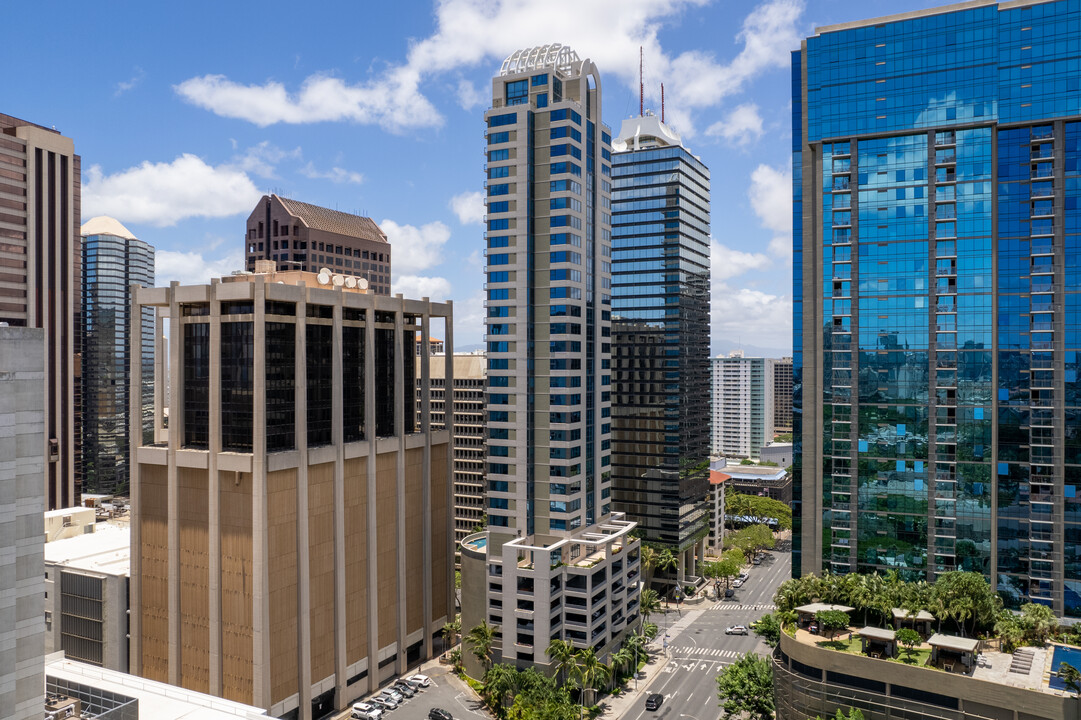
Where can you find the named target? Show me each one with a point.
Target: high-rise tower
(40, 259)
(660, 337)
(556, 561)
(937, 161)
(113, 260)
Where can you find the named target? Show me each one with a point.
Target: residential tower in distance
(741, 397)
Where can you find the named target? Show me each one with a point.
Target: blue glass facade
(110, 265)
(660, 342)
(936, 229)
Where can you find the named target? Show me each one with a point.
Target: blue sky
(185, 113)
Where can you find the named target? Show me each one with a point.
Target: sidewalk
(626, 701)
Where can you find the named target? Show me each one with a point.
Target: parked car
(366, 711)
(424, 680)
(383, 703)
(653, 702)
(411, 683)
(756, 561)
(729, 592)
(735, 630)
(738, 582)
(744, 576)
(393, 695)
(404, 688)
(439, 714)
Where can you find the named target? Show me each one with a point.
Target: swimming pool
(481, 543)
(1062, 654)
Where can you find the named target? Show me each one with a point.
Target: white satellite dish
(324, 277)
(362, 283)
(338, 280)
(350, 282)
(326, 271)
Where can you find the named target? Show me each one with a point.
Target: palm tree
(860, 595)
(450, 633)
(648, 603)
(667, 562)
(499, 681)
(591, 671)
(480, 639)
(622, 659)
(649, 562)
(561, 653)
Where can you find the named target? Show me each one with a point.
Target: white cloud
(468, 95)
(771, 199)
(415, 248)
(393, 101)
(263, 158)
(753, 316)
(163, 194)
(123, 87)
(469, 207)
(415, 287)
(726, 263)
(743, 125)
(475, 32)
(191, 268)
(469, 320)
(335, 174)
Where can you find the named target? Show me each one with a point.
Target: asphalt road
(701, 649)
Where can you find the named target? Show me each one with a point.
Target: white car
(738, 582)
(424, 680)
(735, 630)
(366, 711)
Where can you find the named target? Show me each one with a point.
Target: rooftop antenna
(662, 102)
(641, 82)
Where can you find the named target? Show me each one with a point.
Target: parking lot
(446, 692)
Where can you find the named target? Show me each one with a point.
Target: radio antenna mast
(662, 102)
(641, 82)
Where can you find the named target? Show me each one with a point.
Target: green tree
(666, 561)
(962, 596)
(622, 659)
(649, 630)
(852, 714)
(1008, 628)
(450, 633)
(793, 593)
(592, 673)
(759, 506)
(649, 563)
(831, 620)
(1037, 622)
(909, 638)
(499, 682)
(561, 653)
(746, 688)
(480, 642)
(648, 603)
(1070, 676)
(768, 627)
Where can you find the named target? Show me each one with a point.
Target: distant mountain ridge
(726, 345)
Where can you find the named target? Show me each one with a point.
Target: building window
(353, 381)
(517, 92)
(320, 384)
(280, 386)
(196, 384)
(237, 341)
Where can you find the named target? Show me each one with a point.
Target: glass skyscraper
(559, 562)
(938, 292)
(113, 259)
(660, 336)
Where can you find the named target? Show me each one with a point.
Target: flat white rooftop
(156, 700)
(107, 550)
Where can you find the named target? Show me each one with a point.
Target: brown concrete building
(467, 400)
(291, 528)
(299, 236)
(40, 279)
(782, 395)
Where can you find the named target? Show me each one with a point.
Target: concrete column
(373, 516)
(691, 559)
(337, 437)
(300, 429)
(448, 413)
(426, 480)
(400, 348)
(214, 496)
(260, 561)
(135, 382)
(682, 571)
(161, 378)
(176, 436)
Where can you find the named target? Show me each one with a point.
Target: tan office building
(291, 528)
(40, 279)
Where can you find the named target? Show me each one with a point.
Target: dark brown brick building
(299, 236)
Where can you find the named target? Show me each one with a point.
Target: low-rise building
(763, 480)
(86, 596)
(717, 480)
(777, 453)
